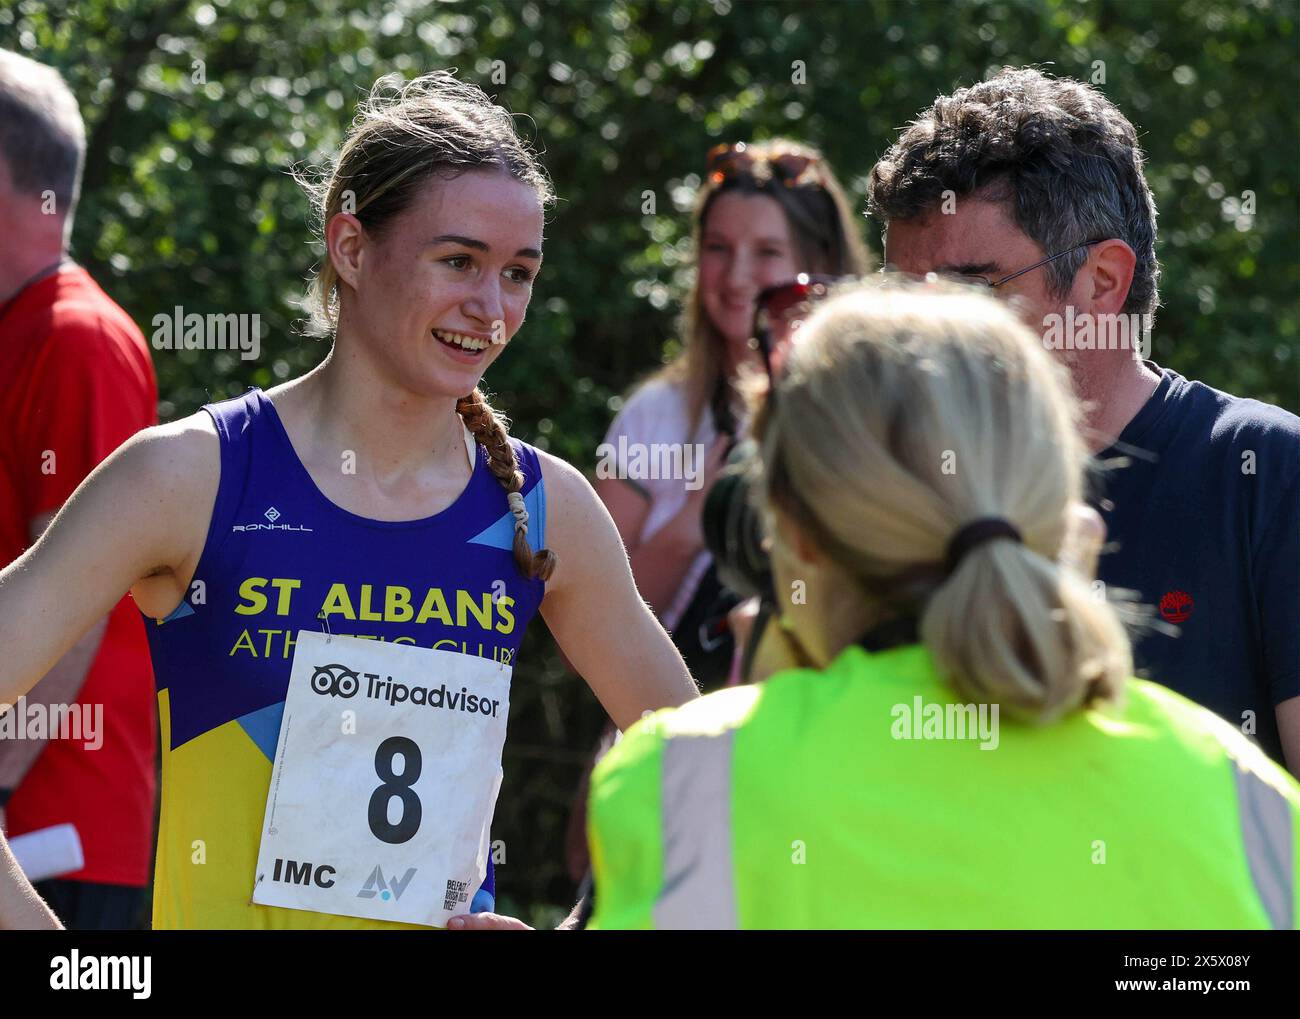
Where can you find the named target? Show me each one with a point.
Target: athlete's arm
(137, 522)
(61, 685)
(21, 909)
(594, 611)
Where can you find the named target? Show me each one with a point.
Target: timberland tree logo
(1176, 606)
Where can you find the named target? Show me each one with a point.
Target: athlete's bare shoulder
(174, 472)
(138, 522)
(180, 460)
(579, 529)
(567, 490)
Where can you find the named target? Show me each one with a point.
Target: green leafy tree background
(197, 110)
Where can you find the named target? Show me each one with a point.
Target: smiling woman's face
(438, 293)
(745, 246)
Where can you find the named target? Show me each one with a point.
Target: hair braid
(489, 431)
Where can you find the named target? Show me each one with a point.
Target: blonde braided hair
(489, 431)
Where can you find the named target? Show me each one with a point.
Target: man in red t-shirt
(76, 381)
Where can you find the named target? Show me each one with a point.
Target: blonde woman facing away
(964, 747)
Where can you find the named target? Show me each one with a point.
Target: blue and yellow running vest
(278, 554)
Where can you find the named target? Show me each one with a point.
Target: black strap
(897, 632)
(724, 420)
(976, 533)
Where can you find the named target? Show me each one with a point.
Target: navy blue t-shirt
(1204, 523)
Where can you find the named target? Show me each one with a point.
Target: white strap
(471, 446)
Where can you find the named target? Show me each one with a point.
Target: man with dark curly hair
(1032, 186)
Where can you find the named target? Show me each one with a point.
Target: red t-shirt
(76, 381)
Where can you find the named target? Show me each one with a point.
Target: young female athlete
(378, 491)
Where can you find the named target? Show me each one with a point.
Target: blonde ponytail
(1014, 627)
(905, 414)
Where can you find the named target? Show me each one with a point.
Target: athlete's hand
(486, 922)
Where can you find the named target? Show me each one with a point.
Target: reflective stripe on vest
(699, 890)
(1266, 832)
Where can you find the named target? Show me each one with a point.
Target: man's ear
(1107, 276)
(345, 242)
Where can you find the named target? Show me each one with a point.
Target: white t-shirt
(657, 415)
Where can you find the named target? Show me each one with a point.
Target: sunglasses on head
(790, 166)
(778, 308)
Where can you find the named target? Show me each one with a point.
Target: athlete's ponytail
(906, 414)
(489, 430)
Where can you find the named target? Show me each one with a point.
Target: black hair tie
(977, 532)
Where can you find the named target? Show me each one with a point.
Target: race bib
(385, 778)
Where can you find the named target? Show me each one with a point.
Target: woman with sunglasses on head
(962, 746)
(766, 212)
(358, 549)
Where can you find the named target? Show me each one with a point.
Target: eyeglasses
(983, 281)
(791, 167)
(776, 311)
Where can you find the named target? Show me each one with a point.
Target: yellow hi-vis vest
(867, 796)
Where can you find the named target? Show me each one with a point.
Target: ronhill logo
(272, 515)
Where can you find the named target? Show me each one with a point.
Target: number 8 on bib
(385, 778)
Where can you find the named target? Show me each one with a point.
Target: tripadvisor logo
(339, 681)
(192, 331)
